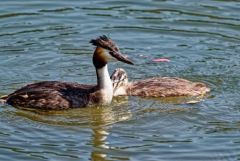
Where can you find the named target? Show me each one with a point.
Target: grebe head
(100, 58)
(120, 81)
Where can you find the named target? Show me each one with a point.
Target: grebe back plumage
(49, 95)
(156, 86)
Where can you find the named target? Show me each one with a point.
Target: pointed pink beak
(119, 56)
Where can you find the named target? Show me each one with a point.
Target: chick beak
(120, 57)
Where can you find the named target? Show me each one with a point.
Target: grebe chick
(55, 95)
(156, 86)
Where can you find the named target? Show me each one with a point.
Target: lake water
(49, 40)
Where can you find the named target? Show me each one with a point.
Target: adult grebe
(156, 86)
(49, 95)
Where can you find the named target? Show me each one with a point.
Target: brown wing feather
(51, 95)
(165, 87)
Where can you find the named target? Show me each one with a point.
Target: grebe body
(52, 95)
(156, 86)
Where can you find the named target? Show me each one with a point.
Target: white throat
(105, 84)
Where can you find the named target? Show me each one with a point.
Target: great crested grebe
(49, 95)
(156, 86)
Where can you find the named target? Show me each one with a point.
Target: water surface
(48, 40)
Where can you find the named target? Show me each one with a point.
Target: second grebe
(49, 95)
(156, 86)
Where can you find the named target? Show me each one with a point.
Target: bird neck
(103, 78)
(99, 58)
(104, 84)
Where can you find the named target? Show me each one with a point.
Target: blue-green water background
(48, 40)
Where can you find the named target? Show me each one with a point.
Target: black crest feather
(104, 42)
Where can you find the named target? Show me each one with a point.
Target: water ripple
(167, 30)
(57, 10)
(9, 15)
(48, 40)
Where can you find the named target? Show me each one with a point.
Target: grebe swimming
(156, 86)
(49, 95)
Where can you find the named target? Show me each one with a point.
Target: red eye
(115, 49)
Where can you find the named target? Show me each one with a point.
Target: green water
(48, 40)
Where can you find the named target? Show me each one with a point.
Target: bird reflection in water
(98, 118)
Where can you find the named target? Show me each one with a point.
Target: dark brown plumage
(53, 95)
